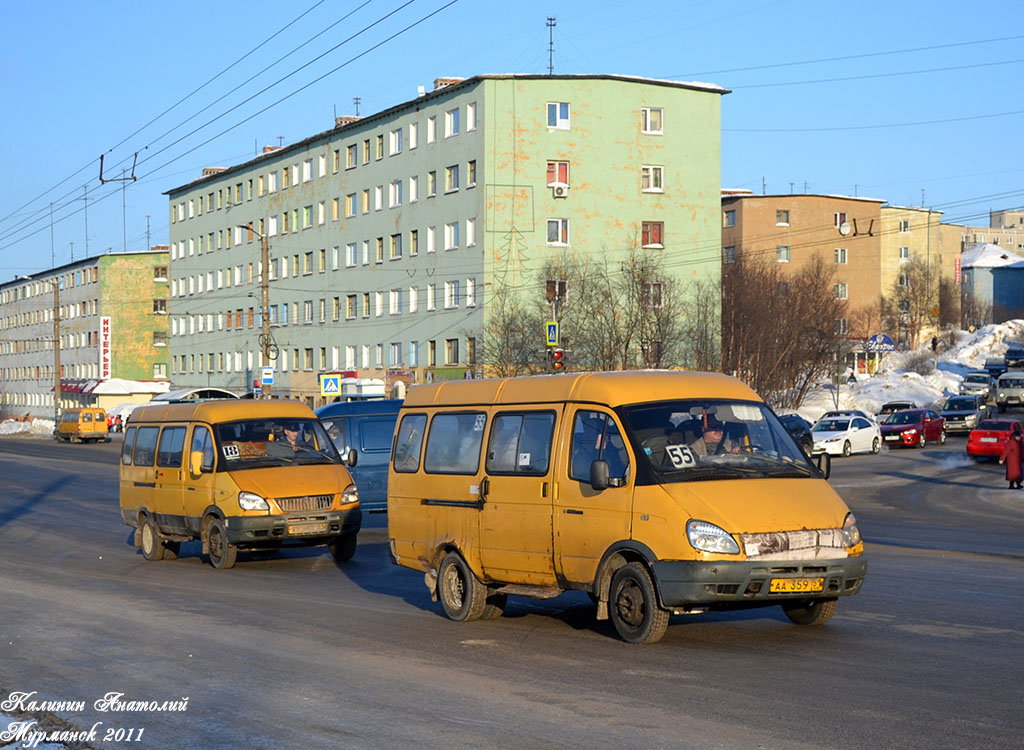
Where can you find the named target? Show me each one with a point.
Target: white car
(841, 436)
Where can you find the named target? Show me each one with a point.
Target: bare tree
(909, 307)
(974, 311)
(512, 336)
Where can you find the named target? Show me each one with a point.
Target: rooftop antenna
(552, 22)
(922, 197)
(280, 141)
(355, 101)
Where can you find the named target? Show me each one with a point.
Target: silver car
(1010, 391)
(978, 383)
(963, 413)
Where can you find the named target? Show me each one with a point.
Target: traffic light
(557, 360)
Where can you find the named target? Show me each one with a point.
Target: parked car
(847, 413)
(913, 427)
(366, 427)
(841, 436)
(1010, 391)
(800, 430)
(978, 383)
(894, 406)
(988, 439)
(963, 413)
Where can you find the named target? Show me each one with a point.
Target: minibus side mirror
(599, 475)
(825, 464)
(352, 458)
(195, 463)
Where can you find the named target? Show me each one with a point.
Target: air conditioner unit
(559, 190)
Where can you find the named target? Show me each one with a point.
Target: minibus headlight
(350, 495)
(851, 534)
(250, 501)
(710, 538)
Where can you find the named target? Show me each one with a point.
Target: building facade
(113, 324)
(388, 234)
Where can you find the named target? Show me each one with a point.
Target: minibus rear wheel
(633, 605)
(462, 595)
(152, 547)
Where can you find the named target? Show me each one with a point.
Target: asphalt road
(294, 650)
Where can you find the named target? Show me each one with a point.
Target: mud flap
(430, 579)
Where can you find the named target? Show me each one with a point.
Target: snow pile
(893, 382)
(36, 427)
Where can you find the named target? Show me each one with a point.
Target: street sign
(551, 330)
(268, 375)
(330, 385)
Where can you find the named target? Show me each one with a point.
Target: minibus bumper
(306, 528)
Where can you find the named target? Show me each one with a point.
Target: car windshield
(832, 425)
(904, 417)
(960, 404)
(276, 441)
(692, 440)
(983, 379)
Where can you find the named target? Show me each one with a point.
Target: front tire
(152, 547)
(847, 449)
(222, 553)
(810, 611)
(343, 547)
(942, 438)
(921, 440)
(462, 595)
(633, 606)
(876, 445)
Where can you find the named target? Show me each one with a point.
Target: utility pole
(56, 354)
(552, 22)
(265, 318)
(148, 246)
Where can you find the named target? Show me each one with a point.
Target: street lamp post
(265, 340)
(56, 347)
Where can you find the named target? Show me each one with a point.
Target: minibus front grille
(305, 502)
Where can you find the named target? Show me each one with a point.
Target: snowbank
(37, 427)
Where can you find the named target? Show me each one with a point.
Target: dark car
(963, 413)
(894, 406)
(367, 427)
(913, 427)
(988, 439)
(800, 430)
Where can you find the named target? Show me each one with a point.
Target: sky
(915, 103)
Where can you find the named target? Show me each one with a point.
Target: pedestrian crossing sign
(551, 327)
(330, 385)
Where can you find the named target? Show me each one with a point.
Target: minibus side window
(520, 444)
(595, 437)
(453, 443)
(145, 446)
(376, 434)
(172, 442)
(86, 416)
(409, 442)
(126, 450)
(202, 440)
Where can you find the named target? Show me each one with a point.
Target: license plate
(892, 438)
(309, 527)
(796, 585)
(990, 440)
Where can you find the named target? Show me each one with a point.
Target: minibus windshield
(703, 440)
(277, 441)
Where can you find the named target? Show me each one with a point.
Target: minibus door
(168, 491)
(588, 521)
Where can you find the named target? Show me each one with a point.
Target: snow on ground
(43, 427)
(893, 382)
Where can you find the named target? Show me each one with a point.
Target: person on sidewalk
(1013, 456)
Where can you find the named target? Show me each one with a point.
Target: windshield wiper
(702, 473)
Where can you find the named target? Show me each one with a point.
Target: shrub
(922, 364)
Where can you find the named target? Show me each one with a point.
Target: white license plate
(989, 440)
(892, 438)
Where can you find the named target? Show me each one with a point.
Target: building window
(396, 247)
(431, 296)
(431, 184)
(350, 255)
(905, 225)
(782, 218)
(470, 232)
(160, 273)
(782, 253)
(395, 142)
(159, 307)
(470, 293)
(159, 338)
(307, 263)
(842, 326)
(395, 302)
(841, 291)
(451, 178)
(652, 295)
(431, 129)
(729, 219)
(395, 194)
(451, 351)
(839, 218)
(378, 198)
(558, 231)
(414, 134)
(379, 257)
(451, 294)
(904, 254)
(451, 123)
(650, 120)
(350, 307)
(431, 239)
(651, 180)
(729, 254)
(379, 151)
(395, 358)
(651, 234)
(840, 256)
(414, 189)
(558, 115)
(308, 359)
(558, 173)
(904, 280)
(350, 156)
(307, 311)
(471, 173)
(782, 289)
(414, 242)
(471, 116)
(414, 299)
(451, 235)
(366, 151)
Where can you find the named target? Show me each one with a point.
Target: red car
(913, 427)
(989, 437)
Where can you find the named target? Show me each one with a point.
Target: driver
(713, 442)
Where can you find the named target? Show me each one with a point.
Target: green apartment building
(389, 233)
(113, 327)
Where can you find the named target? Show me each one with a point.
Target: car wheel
(462, 595)
(942, 438)
(810, 611)
(847, 449)
(343, 547)
(152, 547)
(876, 445)
(222, 553)
(921, 440)
(633, 606)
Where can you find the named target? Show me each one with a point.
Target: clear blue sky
(82, 79)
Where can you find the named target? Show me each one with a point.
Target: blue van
(367, 427)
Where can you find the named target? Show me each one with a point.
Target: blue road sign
(552, 332)
(330, 385)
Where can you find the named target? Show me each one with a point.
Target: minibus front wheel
(342, 547)
(222, 553)
(633, 605)
(462, 595)
(810, 611)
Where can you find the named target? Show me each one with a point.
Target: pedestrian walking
(1013, 456)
